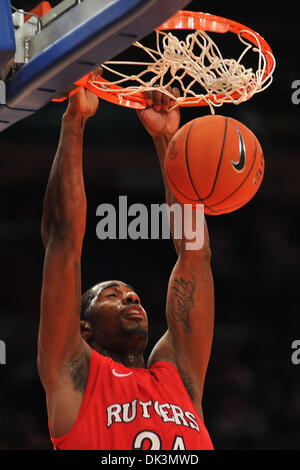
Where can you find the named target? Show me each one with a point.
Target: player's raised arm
(190, 299)
(60, 346)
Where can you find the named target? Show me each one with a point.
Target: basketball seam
(220, 161)
(188, 167)
(187, 160)
(244, 180)
(230, 208)
(194, 200)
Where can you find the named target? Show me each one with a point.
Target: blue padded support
(93, 40)
(7, 36)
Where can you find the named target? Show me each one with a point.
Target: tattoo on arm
(182, 301)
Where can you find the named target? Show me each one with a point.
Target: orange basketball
(216, 161)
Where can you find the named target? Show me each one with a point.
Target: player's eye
(112, 295)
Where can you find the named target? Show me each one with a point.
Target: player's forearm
(161, 144)
(64, 211)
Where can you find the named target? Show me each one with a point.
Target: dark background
(252, 392)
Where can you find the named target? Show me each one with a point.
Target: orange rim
(189, 20)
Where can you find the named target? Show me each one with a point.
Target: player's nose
(131, 298)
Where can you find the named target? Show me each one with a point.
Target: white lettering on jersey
(113, 414)
(164, 414)
(178, 415)
(127, 412)
(193, 423)
(125, 408)
(145, 406)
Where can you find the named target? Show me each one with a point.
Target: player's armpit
(64, 397)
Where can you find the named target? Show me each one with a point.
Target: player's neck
(134, 361)
(126, 359)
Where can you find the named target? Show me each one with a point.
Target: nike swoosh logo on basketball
(117, 374)
(240, 165)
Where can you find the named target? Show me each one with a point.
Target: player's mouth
(134, 312)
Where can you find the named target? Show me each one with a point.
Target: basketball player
(100, 393)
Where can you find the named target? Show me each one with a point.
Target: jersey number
(154, 441)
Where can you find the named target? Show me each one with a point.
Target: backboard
(70, 41)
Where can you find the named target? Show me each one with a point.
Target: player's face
(119, 321)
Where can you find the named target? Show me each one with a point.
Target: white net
(193, 64)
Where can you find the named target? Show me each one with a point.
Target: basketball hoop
(192, 64)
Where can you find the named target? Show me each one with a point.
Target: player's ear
(85, 330)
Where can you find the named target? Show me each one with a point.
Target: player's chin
(137, 329)
(136, 338)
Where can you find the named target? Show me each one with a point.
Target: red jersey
(127, 409)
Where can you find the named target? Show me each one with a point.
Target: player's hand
(83, 102)
(156, 118)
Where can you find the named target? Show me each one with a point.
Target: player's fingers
(66, 93)
(157, 100)
(176, 92)
(167, 100)
(96, 74)
(149, 97)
